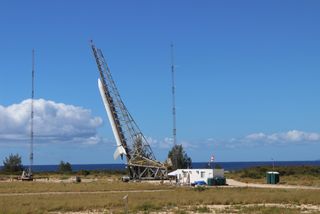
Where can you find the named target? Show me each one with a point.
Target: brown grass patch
(143, 201)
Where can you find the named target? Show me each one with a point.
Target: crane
(131, 142)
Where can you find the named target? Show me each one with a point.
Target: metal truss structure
(131, 143)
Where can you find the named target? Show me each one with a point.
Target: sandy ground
(303, 208)
(69, 180)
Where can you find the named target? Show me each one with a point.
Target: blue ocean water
(225, 165)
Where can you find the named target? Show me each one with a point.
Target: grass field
(104, 194)
(83, 197)
(101, 185)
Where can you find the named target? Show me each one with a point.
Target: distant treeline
(79, 172)
(102, 172)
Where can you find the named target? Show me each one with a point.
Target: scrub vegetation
(291, 175)
(12, 164)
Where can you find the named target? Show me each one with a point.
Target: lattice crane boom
(141, 161)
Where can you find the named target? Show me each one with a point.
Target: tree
(64, 167)
(179, 158)
(12, 163)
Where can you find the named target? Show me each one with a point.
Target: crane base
(147, 172)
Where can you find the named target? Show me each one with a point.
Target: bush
(84, 172)
(252, 174)
(200, 188)
(260, 172)
(64, 167)
(147, 207)
(12, 164)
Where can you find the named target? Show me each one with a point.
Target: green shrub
(199, 188)
(84, 172)
(12, 164)
(64, 167)
(260, 171)
(147, 206)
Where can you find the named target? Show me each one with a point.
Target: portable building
(189, 176)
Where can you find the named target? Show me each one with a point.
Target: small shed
(189, 176)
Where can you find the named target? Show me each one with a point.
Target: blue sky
(247, 77)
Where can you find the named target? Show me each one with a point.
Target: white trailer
(189, 176)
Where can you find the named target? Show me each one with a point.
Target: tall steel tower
(32, 115)
(27, 175)
(174, 129)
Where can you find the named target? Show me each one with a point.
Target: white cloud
(293, 136)
(255, 136)
(53, 123)
(167, 143)
(260, 139)
(250, 140)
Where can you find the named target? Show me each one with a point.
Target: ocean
(229, 166)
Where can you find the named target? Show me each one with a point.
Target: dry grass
(101, 185)
(97, 196)
(175, 198)
(302, 180)
(307, 180)
(293, 175)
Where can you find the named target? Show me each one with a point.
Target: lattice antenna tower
(32, 115)
(174, 129)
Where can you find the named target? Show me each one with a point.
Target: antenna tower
(32, 113)
(27, 174)
(174, 130)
